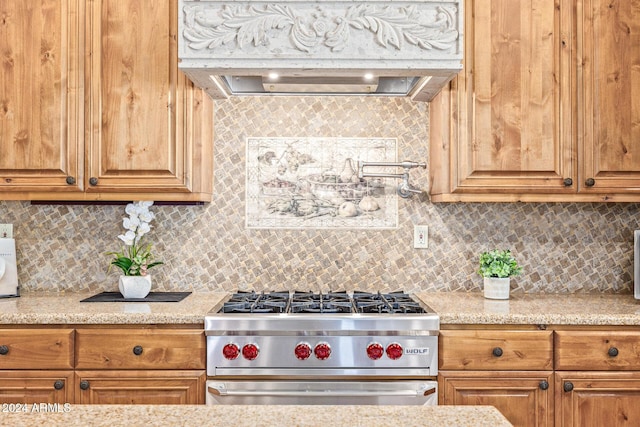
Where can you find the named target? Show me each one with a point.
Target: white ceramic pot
(496, 287)
(134, 286)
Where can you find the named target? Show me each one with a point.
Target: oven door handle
(222, 391)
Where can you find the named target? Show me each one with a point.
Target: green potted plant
(497, 267)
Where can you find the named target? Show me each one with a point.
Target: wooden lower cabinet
(597, 398)
(585, 399)
(140, 387)
(31, 387)
(146, 364)
(524, 398)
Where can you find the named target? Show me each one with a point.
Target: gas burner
(332, 302)
(252, 302)
(390, 303)
(320, 303)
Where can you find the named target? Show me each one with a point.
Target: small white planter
(496, 287)
(134, 286)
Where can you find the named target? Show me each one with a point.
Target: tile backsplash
(562, 247)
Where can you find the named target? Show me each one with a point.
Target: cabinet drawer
(140, 349)
(36, 349)
(496, 350)
(597, 351)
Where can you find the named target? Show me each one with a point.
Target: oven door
(318, 392)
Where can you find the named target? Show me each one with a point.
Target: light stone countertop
(452, 307)
(263, 416)
(66, 308)
(534, 309)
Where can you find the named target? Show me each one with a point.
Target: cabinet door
(145, 120)
(140, 387)
(524, 398)
(610, 113)
(510, 109)
(36, 387)
(595, 399)
(41, 96)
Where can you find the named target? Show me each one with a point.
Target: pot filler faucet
(405, 190)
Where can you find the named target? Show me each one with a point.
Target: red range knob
(375, 351)
(250, 351)
(302, 351)
(322, 351)
(230, 351)
(394, 351)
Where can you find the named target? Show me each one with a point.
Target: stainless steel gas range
(322, 348)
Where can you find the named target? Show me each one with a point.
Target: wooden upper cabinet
(609, 117)
(40, 95)
(507, 125)
(547, 107)
(93, 107)
(145, 119)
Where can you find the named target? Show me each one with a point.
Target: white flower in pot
(135, 258)
(497, 267)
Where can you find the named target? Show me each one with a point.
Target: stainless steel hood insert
(388, 47)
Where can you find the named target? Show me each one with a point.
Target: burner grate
(318, 303)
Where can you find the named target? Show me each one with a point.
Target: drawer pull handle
(568, 182)
(568, 386)
(4, 349)
(613, 352)
(497, 352)
(93, 181)
(137, 350)
(58, 385)
(590, 182)
(84, 385)
(544, 385)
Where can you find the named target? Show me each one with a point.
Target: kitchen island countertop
(38, 308)
(265, 416)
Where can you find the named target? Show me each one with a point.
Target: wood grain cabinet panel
(509, 369)
(524, 398)
(31, 386)
(148, 129)
(609, 117)
(140, 349)
(495, 350)
(504, 124)
(93, 107)
(41, 97)
(140, 387)
(595, 399)
(597, 350)
(547, 106)
(36, 348)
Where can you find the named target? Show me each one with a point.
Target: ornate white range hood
(393, 48)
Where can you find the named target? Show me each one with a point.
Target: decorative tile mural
(313, 183)
(562, 247)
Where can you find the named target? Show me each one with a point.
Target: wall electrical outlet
(6, 231)
(420, 236)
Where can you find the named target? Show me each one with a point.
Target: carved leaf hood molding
(413, 46)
